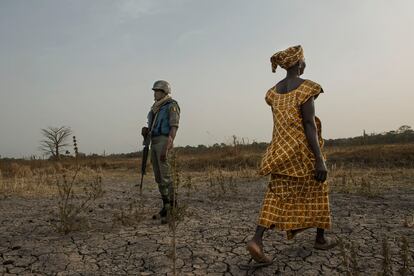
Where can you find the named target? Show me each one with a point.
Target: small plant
(221, 185)
(349, 257)
(349, 261)
(70, 203)
(405, 256)
(386, 253)
(366, 188)
(342, 248)
(177, 211)
(353, 260)
(188, 185)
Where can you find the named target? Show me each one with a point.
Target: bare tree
(55, 139)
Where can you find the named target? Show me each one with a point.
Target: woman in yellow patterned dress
(297, 194)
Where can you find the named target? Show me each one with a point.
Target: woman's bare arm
(308, 117)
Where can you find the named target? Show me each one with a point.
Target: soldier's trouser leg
(161, 168)
(157, 175)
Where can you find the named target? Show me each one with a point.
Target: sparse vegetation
(178, 209)
(188, 185)
(221, 184)
(76, 195)
(368, 170)
(218, 173)
(349, 255)
(405, 256)
(386, 261)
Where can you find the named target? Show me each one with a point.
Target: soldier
(162, 127)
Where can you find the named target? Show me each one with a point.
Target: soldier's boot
(167, 215)
(162, 212)
(167, 218)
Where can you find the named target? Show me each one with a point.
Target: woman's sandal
(325, 246)
(250, 265)
(257, 254)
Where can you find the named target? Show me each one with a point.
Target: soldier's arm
(171, 137)
(174, 117)
(174, 122)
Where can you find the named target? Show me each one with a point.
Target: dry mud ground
(211, 239)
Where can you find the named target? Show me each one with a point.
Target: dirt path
(211, 238)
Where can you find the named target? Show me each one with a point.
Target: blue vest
(162, 124)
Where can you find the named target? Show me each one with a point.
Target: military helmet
(162, 85)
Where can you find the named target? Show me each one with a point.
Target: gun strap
(154, 119)
(156, 114)
(147, 140)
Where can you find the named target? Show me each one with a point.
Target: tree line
(404, 134)
(55, 143)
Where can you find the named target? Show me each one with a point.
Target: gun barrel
(144, 165)
(140, 186)
(144, 160)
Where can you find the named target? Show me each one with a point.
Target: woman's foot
(255, 249)
(324, 243)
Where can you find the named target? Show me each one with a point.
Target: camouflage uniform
(160, 121)
(158, 142)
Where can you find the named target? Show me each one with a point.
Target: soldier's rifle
(145, 152)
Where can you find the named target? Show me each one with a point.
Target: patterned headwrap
(287, 58)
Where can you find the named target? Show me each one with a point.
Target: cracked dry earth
(211, 239)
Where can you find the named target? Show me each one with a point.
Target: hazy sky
(90, 65)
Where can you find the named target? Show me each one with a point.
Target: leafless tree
(55, 139)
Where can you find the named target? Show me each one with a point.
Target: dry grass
(77, 192)
(222, 184)
(396, 155)
(26, 182)
(178, 210)
(405, 256)
(76, 187)
(366, 170)
(369, 182)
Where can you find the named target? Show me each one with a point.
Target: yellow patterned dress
(294, 199)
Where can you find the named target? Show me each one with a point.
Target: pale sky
(90, 65)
